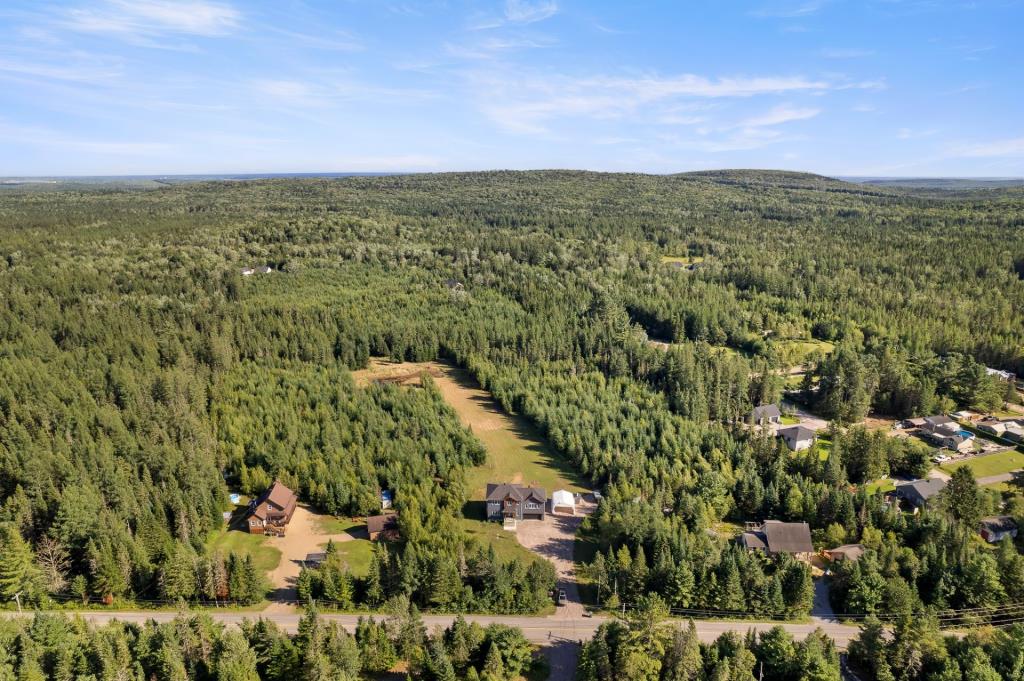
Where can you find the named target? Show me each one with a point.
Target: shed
(563, 501)
(997, 528)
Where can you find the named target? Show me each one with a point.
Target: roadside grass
(266, 558)
(989, 464)
(584, 550)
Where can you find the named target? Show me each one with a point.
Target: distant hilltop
(940, 182)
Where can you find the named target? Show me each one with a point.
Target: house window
(532, 506)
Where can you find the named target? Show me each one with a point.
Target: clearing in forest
(516, 451)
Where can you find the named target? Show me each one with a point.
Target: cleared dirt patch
(303, 536)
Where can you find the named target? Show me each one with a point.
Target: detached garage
(563, 501)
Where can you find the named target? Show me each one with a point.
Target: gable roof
(940, 420)
(380, 523)
(788, 537)
(999, 523)
(765, 411)
(796, 433)
(501, 491)
(754, 540)
(849, 551)
(920, 491)
(278, 495)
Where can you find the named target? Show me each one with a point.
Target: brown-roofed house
(272, 510)
(385, 526)
(774, 537)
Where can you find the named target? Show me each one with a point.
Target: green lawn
(516, 452)
(793, 352)
(328, 524)
(789, 420)
(883, 485)
(991, 464)
(356, 552)
(824, 446)
(506, 547)
(226, 541)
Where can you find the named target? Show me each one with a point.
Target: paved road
(536, 629)
(1002, 477)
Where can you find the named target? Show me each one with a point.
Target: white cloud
(526, 12)
(527, 105)
(149, 18)
(781, 114)
(913, 133)
(1008, 147)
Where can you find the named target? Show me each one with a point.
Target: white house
(564, 501)
(797, 437)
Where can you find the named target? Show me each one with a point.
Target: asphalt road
(540, 630)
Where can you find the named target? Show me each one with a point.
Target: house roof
(796, 433)
(850, 551)
(278, 495)
(316, 557)
(999, 523)
(788, 537)
(765, 411)
(380, 523)
(920, 491)
(917, 422)
(754, 540)
(939, 420)
(501, 491)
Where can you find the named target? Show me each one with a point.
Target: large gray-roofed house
(775, 536)
(766, 413)
(940, 424)
(508, 500)
(918, 492)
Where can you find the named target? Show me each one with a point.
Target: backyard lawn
(992, 464)
(227, 541)
(884, 485)
(356, 552)
(505, 544)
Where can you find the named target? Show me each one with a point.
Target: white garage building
(563, 501)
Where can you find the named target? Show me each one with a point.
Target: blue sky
(864, 87)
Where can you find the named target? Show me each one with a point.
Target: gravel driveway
(553, 538)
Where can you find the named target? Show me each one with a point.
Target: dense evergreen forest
(142, 376)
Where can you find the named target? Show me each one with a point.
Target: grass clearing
(356, 553)
(793, 352)
(884, 485)
(991, 464)
(241, 543)
(328, 524)
(684, 259)
(505, 544)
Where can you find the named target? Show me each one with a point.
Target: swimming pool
(965, 433)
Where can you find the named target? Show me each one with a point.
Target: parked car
(562, 598)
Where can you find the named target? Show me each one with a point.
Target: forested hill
(141, 374)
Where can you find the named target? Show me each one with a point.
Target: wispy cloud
(790, 10)
(138, 19)
(493, 47)
(526, 12)
(528, 104)
(914, 133)
(779, 115)
(1007, 147)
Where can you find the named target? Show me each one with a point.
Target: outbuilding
(563, 501)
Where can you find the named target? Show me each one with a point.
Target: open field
(516, 452)
(992, 464)
(227, 541)
(506, 547)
